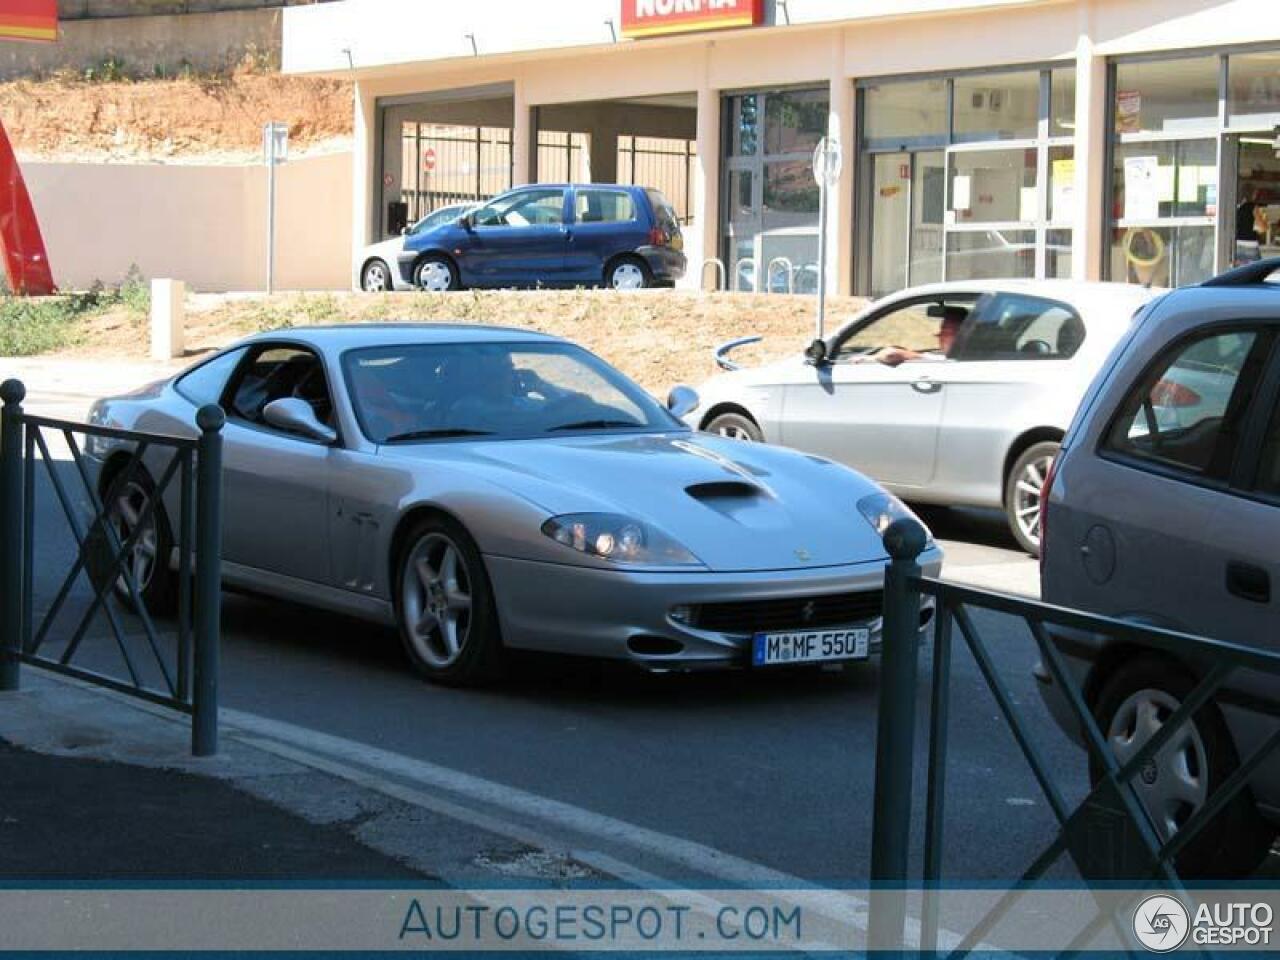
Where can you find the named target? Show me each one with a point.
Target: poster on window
(1128, 111)
(1141, 188)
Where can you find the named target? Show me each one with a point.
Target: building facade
(1131, 140)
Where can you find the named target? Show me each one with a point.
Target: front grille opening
(645, 645)
(786, 613)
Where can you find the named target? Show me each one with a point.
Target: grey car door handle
(925, 385)
(1248, 582)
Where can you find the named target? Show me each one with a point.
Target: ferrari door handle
(1248, 582)
(925, 385)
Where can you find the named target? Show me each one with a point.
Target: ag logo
(1161, 924)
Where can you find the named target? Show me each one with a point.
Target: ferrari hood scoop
(716, 490)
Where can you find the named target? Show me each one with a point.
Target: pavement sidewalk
(95, 786)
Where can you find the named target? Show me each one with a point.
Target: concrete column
(604, 153)
(703, 238)
(366, 184)
(523, 148)
(168, 318)
(1089, 205)
(840, 222)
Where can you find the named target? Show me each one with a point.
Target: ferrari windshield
(420, 392)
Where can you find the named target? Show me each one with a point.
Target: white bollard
(168, 317)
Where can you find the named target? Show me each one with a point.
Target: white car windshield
(422, 392)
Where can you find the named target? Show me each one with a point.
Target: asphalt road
(775, 768)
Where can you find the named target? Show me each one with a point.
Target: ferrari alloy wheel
(445, 605)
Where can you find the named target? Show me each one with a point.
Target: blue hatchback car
(552, 235)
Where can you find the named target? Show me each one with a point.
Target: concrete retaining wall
(202, 224)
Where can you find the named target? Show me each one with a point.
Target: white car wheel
(628, 275)
(436, 275)
(377, 278)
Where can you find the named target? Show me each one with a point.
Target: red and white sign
(429, 159)
(651, 18)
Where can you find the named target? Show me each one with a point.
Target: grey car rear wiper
(436, 434)
(594, 425)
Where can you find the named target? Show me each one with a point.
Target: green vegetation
(31, 325)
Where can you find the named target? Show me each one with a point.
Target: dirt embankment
(206, 119)
(659, 338)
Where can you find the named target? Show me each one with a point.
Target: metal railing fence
(184, 677)
(1129, 849)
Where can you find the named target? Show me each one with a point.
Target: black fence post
(12, 392)
(208, 598)
(904, 539)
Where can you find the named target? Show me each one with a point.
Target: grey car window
(1176, 416)
(206, 382)
(910, 326)
(1014, 326)
(422, 392)
(276, 373)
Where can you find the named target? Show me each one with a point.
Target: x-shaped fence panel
(1110, 836)
(118, 548)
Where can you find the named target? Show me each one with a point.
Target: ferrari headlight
(881, 509)
(618, 538)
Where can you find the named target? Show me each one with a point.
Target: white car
(375, 268)
(977, 424)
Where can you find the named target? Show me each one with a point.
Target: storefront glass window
(790, 194)
(795, 120)
(965, 202)
(1062, 183)
(746, 125)
(997, 106)
(771, 210)
(983, 254)
(1167, 96)
(901, 114)
(1164, 179)
(1062, 102)
(1163, 256)
(1057, 254)
(1253, 94)
(992, 186)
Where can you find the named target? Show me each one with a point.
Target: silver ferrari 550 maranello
(487, 489)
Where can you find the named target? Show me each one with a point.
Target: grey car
(1164, 508)
(487, 489)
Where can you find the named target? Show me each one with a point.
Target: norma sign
(28, 19)
(651, 18)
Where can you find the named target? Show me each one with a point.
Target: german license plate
(809, 646)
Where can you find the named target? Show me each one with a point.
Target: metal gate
(1109, 836)
(178, 669)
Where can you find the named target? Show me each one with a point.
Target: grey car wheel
(1173, 784)
(445, 605)
(628, 274)
(1137, 700)
(735, 426)
(125, 503)
(436, 274)
(1023, 490)
(376, 277)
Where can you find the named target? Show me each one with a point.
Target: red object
(650, 18)
(25, 262)
(1170, 393)
(659, 237)
(29, 20)
(429, 160)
